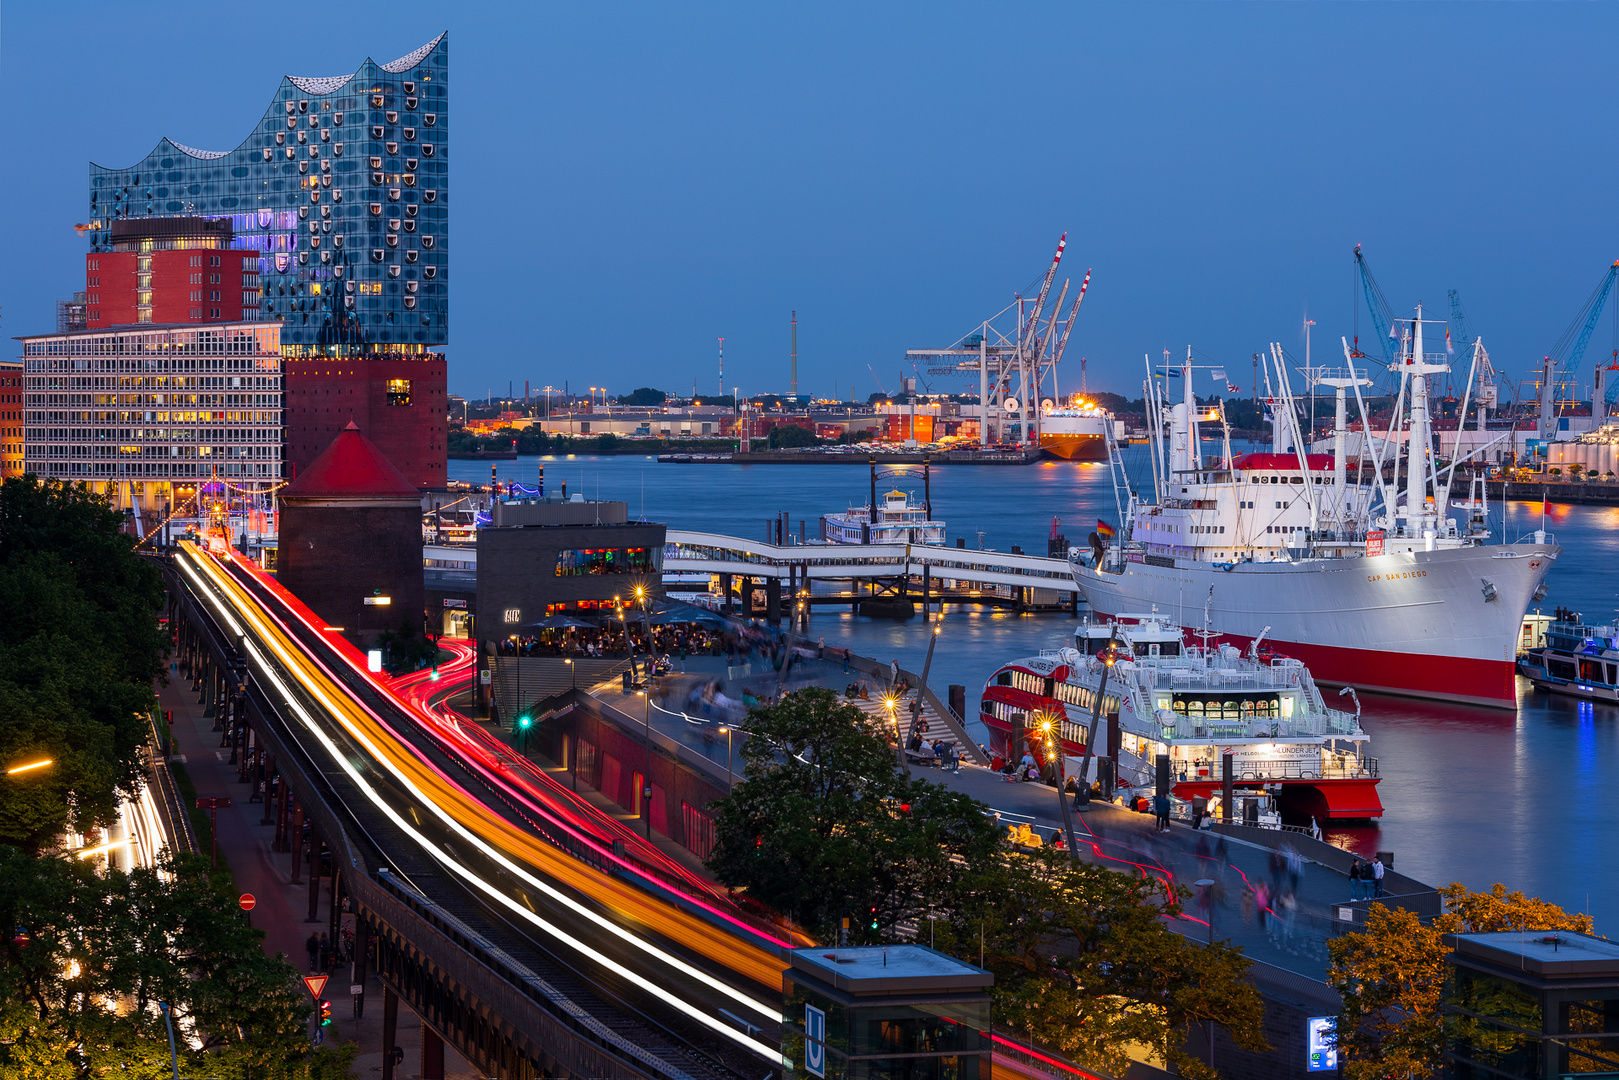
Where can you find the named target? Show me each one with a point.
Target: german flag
(1103, 529)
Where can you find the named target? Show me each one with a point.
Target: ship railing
(1150, 675)
(1329, 724)
(1333, 767)
(1529, 538)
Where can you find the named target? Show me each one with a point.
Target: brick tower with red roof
(351, 541)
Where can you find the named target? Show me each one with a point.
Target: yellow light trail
(498, 839)
(30, 765)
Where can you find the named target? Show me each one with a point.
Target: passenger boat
(1199, 705)
(1367, 582)
(1576, 659)
(899, 520)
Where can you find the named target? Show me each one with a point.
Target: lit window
(398, 391)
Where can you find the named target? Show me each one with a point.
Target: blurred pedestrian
(313, 947)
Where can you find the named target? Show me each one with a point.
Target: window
(399, 391)
(579, 562)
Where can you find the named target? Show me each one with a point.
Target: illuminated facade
(342, 191)
(332, 220)
(11, 392)
(145, 413)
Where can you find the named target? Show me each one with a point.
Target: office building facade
(11, 391)
(147, 414)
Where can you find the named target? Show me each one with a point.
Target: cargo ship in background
(1079, 431)
(1196, 705)
(1367, 583)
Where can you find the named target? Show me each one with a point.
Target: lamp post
(730, 780)
(1207, 885)
(573, 674)
(646, 770)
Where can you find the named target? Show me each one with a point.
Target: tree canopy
(824, 827)
(78, 940)
(644, 395)
(788, 436)
(77, 665)
(1392, 976)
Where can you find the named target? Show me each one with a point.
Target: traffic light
(874, 918)
(435, 673)
(325, 1014)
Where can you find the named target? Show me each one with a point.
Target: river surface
(1471, 795)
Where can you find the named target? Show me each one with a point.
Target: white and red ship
(1199, 706)
(1367, 582)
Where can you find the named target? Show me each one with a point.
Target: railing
(174, 809)
(1333, 768)
(1328, 725)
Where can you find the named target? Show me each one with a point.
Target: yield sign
(316, 984)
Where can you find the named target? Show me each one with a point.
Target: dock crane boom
(1382, 314)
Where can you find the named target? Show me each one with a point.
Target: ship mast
(1419, 465)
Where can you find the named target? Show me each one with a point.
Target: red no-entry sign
(247, 901)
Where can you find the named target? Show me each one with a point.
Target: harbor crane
(1560, 365)
(1015, 353)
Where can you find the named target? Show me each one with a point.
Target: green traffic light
(435, 673)
(522, 721)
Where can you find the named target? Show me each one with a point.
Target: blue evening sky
(632, 181)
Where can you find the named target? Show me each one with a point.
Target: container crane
(1382, 314)
(1559, 365)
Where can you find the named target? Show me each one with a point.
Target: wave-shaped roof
(328, 84)
(324, 84)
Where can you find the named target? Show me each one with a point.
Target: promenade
(1290, 934)
(282, 907)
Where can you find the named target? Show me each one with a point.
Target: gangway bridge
(733, 557)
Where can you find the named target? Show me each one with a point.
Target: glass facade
(342, 190)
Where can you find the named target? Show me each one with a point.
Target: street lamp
(646, 770)
(730, 782)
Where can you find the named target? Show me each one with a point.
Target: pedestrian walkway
(281, 907)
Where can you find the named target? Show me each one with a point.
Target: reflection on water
(1471, 795)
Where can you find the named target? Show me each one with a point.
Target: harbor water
(1471, 795)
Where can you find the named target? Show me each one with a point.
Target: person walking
(325, 952)
(1377, 876)
(1160, 809)
(313, 947)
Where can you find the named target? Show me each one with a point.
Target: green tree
(824, 826)
(77, 663)
(458, 440)
(78, 941)
(644, 395)
(86, 534)
(788, 436)
(1083, 962)
(1392, 976)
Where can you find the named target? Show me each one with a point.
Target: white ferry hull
(1417, 624)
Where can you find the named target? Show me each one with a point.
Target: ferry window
(1004, 679)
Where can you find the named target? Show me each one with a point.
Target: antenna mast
(722, 367)
(795, 359)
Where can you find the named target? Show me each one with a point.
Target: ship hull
(1417, 624)
(1074, 447)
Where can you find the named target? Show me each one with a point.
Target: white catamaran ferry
(1199, 705)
